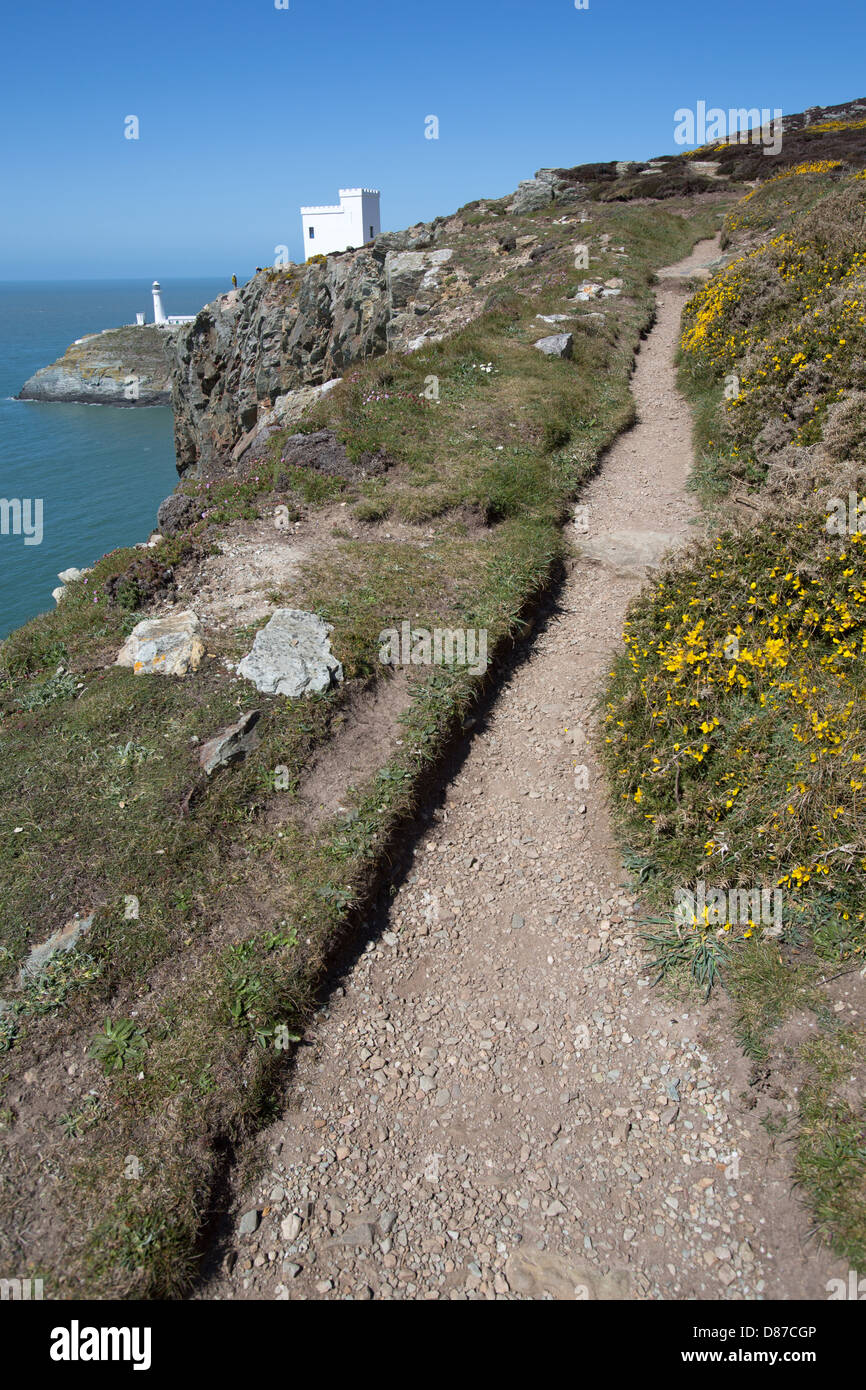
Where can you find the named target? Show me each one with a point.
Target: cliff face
(253, 348)
(302, 326)
(122, 366)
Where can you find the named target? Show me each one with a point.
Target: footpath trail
(495, 1103)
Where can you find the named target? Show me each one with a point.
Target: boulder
(590, 289)
(170, 646)
(531, 196)
(230, 744)
(67, 576)
(570, 193)
(325, 453)
(629, 552)
(557, 345)
(286, 410)
(321, 451)
(292, 655)
(559, 188)
(176, 513)
(388, 242)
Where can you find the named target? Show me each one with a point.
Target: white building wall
(371, 221)
(334, 227)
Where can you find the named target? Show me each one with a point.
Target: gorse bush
(736, 728)
(785, 328)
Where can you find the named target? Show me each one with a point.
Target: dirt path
(496, 1103)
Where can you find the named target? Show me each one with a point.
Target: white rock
(169, 646)
(557, 345)
(292, 655)
(63, 940)
(290, 1229)
(66, 577)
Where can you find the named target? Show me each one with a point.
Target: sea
(100, 471)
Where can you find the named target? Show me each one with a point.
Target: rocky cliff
(291, 329)
(122, 366)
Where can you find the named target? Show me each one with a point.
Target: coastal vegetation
(736, 714)
(200, 911)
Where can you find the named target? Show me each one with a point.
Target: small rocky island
(126, 366)
(132, 365)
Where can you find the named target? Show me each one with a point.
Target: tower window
(312, 233)
(371, 233)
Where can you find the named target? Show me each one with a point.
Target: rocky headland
(126, 366)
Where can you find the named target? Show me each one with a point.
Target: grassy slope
(736, 716)
(240, 902)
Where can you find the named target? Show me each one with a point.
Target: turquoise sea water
(100, 471)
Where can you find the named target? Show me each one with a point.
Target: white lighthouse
(158, 311)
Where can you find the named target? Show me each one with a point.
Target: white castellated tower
(351, 222)
(158, 311)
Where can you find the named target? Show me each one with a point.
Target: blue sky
(247, 111)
